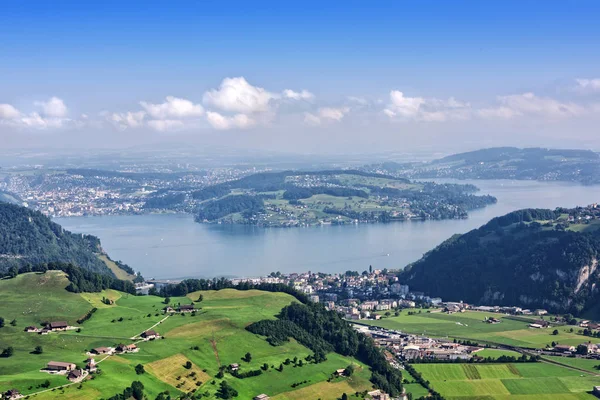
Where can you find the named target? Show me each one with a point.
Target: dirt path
(85, 374)
(213, 343)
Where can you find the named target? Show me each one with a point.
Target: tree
(555, 332)
(349, 370)
(582, 349)
(226, 391)
(167, 300)
(137, 389)
(1, 322)
(247, 357)
(13, 322)
(200, 298)
(188, 365)
(139, 369)
(38, 350)
(7, 352)
(344, 396)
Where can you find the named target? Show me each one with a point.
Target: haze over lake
(174, 246)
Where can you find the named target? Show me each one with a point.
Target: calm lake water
(174, 246)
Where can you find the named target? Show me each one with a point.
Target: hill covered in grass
(506, 163)
(532, 258)
(300, 198)
(28, 237)
(209, 339)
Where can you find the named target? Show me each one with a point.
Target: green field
(499, 381)
(470, 325)
(214, 336)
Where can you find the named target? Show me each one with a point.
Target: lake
(174, 246)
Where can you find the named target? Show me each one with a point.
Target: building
(187, 308)
(31, 329)
(60, 366)
(261, 397)
(234, 367)
(57, 326)
(596, 391)
(90, 364)
(12, 394)
(378, 395)
(564, 348)
(126, 348)
(340, 372)
(314, 298)
(102, 350)
(150, 335)
(75, 375)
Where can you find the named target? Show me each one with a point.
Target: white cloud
(324, 114)
(237, 95)
(173, 108)
(222, 122)
(8, 111)
(426, 110)
(529, 104)
(163, 125)
(588, 85)
(54, 107)
(127, 119)
(303, 95)
(358, 100)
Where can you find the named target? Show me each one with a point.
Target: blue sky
(102, 59)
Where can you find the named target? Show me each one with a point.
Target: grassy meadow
(470, 325)
(500, 381)
(213, 337)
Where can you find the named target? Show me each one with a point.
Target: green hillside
(532, 258)
(209, 338)
(28, 237)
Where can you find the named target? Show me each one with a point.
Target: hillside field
(470, 325)
(214, 336)
(503, 381)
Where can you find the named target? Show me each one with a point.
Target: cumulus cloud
(127, 119)
(588, 85)
(173, 108)
(238, 96)
(326, 114)
(303, 95)
(53, 107)
(530, 104)
(402, 107)
(8, 111)
(222, 122)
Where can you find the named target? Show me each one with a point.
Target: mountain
(505, 163)
(533, 258)
(28, 237)
(12, 198)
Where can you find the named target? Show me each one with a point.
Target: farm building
(60, 366)
(149, 335)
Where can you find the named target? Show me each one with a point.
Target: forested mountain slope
(28, 237)
(530, 258)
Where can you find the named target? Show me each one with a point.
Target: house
(234, 367)
(12, 394)
(564, 348)
(150, 335)
(90, 364)
(102, 350)
(535, 326)
(31, 329)
(411, 352)
(596, 391)
(261, 397)
(60, 366)
(340, 372)
(541, 322)
(378, 395)
(57, 326)
(75, 375)
(126, 348)
(187, 308)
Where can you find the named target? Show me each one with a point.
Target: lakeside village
(376, 294)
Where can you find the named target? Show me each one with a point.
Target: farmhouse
(75, 375)
(90, 364)
(234, 367)
(564, 348)
(31, 329)
(261, 397)
(60, 366)
(126, 348)
(57, 326)
(150, 335)
(102, 350)
(378, 395)
(187, 308)
(12, 394)
(340, 372)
